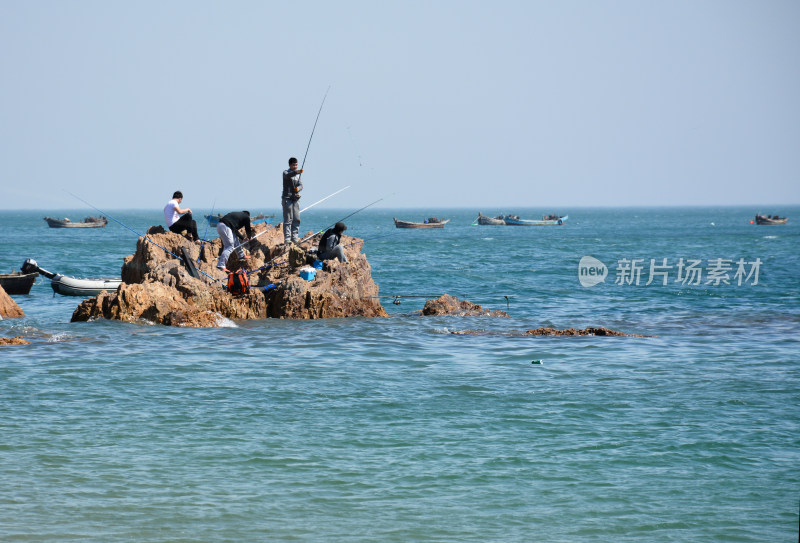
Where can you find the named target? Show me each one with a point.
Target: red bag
(238, 282)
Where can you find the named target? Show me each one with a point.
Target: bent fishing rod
(134, 231)
(312, 131)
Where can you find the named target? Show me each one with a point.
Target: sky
(486, 105)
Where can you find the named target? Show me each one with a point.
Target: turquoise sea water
(397, 430)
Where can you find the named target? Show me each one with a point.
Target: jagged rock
(157, 287)
(452, 306)
(8, 307)
(600, 331)
(17, 340)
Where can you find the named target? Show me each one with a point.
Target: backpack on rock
(238, 282)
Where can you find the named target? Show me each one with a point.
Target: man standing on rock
(178, 219)
(290, 199)
(329, 247)
(228, 230)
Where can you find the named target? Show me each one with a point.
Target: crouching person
(329, 247)
(228, 230)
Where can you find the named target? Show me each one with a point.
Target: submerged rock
(599, 331)
(8, 307)
(452, 306)
(17, 340)
(157, 287)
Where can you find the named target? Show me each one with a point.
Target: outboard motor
(29, 266)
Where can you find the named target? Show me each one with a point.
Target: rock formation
(8, 307)
(599, 331)
(158, 287)
(17, 340)
(452, 306)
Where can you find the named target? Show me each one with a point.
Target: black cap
(292, 161)
(177, 194)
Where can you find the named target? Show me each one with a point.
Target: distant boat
(547, 220)
(74, 286)
(88, 222)
(770, 219)
(213, 220)
(484, 220)
(431, 222)
(19, 282)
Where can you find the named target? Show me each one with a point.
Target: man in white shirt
(178, 219)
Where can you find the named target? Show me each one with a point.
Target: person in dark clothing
(178, 219)
(329, 247)
(228, 230)
(290, 200)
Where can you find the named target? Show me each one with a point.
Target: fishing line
(355, 146)
(135, 232)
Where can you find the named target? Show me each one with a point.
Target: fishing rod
(269, 263)
(308, 207)
(343, 218)
(208, 223)
(312, 132)
(135, 232)
(320, 201)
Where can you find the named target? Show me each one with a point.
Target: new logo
(591, 271)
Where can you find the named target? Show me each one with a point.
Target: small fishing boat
(213, 220)
(484, 220)
(431, 222)
(74, 286)
(88, 222)
(547, 220)
(18, 282)
(770, 219)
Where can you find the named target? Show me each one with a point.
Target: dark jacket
(236, 220)
(291, 181)
(330, 239)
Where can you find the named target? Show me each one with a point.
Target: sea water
(397, 429)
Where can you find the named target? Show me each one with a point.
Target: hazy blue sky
(490, 105)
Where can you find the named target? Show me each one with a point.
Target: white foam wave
(59, 337)
(224, 322)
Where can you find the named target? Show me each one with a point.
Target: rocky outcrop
(452, 306)
(17, 340)
(157, 287)
(599, 331)
(8, 307)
